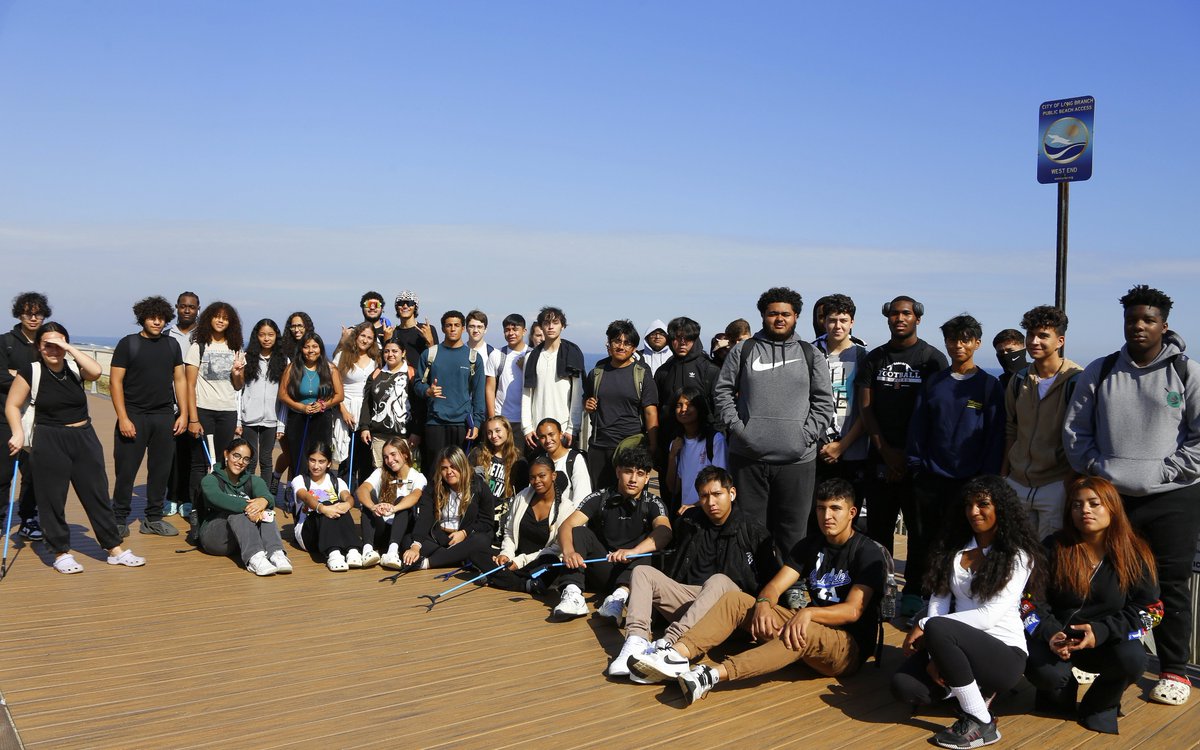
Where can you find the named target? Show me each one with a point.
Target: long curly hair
(289, 344)
(204, 330)
(347, 354)
(276, 362)
(1014, 538)
(1127, 552)
(482, 455)
(466, 477)
(388, 478)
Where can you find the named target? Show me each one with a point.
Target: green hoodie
(223, 496)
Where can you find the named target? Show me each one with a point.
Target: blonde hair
(441, 491)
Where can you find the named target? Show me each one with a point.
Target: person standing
(145, 382)
(774, 399)
(844, 450)
(450, 377)
(622, 402)
(656, 352)
(187, 312)
(16, 351)
(553, 385)
(887, 384)
(505, 375)
(1135, 420)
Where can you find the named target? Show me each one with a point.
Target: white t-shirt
(579, 483)
(1044, 385)
(450, 520)
(509, 382)
(692, 458)
(214, 389)
(324, 490)
(841, 376)
(412, 481)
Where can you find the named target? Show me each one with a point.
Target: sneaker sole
(652, 674)
(976, 743)
(556, 616)
(152, 532)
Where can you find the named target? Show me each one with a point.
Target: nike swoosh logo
(761, 366)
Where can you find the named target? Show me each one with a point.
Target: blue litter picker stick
(538, 573)
(433, 598)
(12, 495)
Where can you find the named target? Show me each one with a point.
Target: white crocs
(128, 559)
(1172, 691)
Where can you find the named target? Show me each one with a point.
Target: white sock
(425, 563)
(971, 701)
(393, 549)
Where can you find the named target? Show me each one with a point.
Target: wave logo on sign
(1065, 141)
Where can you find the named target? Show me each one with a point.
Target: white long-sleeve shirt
(999, 617)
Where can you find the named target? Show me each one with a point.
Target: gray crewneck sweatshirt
(1140, 428)
(774, 406)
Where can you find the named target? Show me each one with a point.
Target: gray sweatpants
(237, 534)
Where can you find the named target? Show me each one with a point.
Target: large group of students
(1051, 514)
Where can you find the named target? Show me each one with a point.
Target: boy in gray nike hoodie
(1135, 420)
(774, 399)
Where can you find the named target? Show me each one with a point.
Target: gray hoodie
(774, 407)
(1140, 428)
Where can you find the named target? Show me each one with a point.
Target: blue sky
(618, 159)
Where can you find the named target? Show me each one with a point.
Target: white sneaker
(635, 645)
(336, 562)
(354, 559)
(659, 666)
(696, 682)
(259, 565)
(391, 560)
(370, 557)
(613, 607)
(570, 606)
(281, 562)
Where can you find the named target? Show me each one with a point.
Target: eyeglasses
(240, 458)
(296, 327)
(620, 344)
(33, 315)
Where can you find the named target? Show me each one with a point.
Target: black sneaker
(966, 733)
(160, 527)
(31, 530)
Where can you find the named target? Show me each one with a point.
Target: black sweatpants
(963, 655)
(72, 456)
(221, 425)
(28, 501)
(154, 440)
(438, 436)
(181, 470)
(304, 431)
(1170, 522)
(323, 535)
(779, 496)
(885, 501)
(262, 441)
(600, 577)
(1117, 665)
(600, 467)
(933, 498)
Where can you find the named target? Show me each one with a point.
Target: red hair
(1127, 552)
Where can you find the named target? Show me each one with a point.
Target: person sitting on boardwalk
(1100, 593)
(970, 644)
(67, 450)
(456, 520)
(845, 573)
(237, 514)
(718, 549)
(324, 526)
(530, 540)
(503, 465)
(614, 523)
(387, 498)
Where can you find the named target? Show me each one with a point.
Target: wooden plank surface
(191, 651)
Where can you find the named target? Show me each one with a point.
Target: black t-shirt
(534, 535)
(60, 397)
(619, 522)
(149, 372)
(412, 342)
(831, 571)
(619, 411)
(895, 377)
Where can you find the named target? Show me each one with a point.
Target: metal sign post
(1064, 156)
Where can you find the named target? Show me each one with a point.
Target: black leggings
(262, 442)
(219, 424)
(1117, 665)
(441, 555)
(963, 655)
(303, 431)
(380, 534)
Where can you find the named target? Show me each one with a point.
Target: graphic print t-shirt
(214, 389)
(831, 571)
(895, 377)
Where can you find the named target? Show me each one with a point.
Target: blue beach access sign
(1065, 140)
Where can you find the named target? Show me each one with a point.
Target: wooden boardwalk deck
(193, 652)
